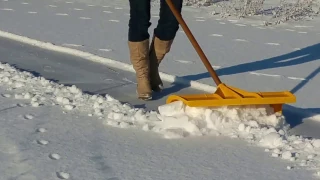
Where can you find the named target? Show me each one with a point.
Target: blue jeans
(139, 22)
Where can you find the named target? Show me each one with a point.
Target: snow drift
(256, 125)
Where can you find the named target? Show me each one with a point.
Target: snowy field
(52, 131)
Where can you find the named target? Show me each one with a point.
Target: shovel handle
(194, 42)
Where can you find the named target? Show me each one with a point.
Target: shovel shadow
(305, 55)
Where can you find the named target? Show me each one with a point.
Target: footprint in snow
(302, 26)
(32, 12)
(232, 21)
(200, 20)
(263, 74)
(273, 44)
(216, 67)
(241, 25)
(42, 142)
(77, 9)
(222, 23)
(184, 61)
(54, 6)
(106, 50)
(216, 35)
(28, 116)
(25, 3)
(63, 175)
(291, 30)
(68, 2)
(114, 20)
(84, 18)
(6, 95)
(108, 80)
(118, 8)
(128, 80)
(91, 5)
(42, 130)
(241, 40)
(109, 12)
(62, 14)
(54, 156)
(7, 9)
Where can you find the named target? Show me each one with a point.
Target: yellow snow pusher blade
(228, 96)
(225, 95)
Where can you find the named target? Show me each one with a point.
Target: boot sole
(145, 98)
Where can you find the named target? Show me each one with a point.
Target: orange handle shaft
(194, 42)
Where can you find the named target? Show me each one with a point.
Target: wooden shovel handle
(194, 42)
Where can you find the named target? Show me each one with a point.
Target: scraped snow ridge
(256, 125)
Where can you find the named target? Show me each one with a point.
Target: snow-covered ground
(50, 130)
(244, 52)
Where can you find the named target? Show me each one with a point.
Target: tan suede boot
(140, 61)
(158, 49)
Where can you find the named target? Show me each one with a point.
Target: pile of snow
(256, 125)
(272, 12)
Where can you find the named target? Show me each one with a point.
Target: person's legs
(139, 21)
(138, 42)
(164, 35)
(167, 25)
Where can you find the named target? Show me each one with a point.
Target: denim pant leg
(139, 22)
(167, 25)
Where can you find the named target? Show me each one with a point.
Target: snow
(257, 126)
(63, 175)
(173, 116)
(261, 55)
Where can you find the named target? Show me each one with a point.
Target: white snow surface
(261, 55)
(258, 126)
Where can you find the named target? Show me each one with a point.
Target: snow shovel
(225, 95)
